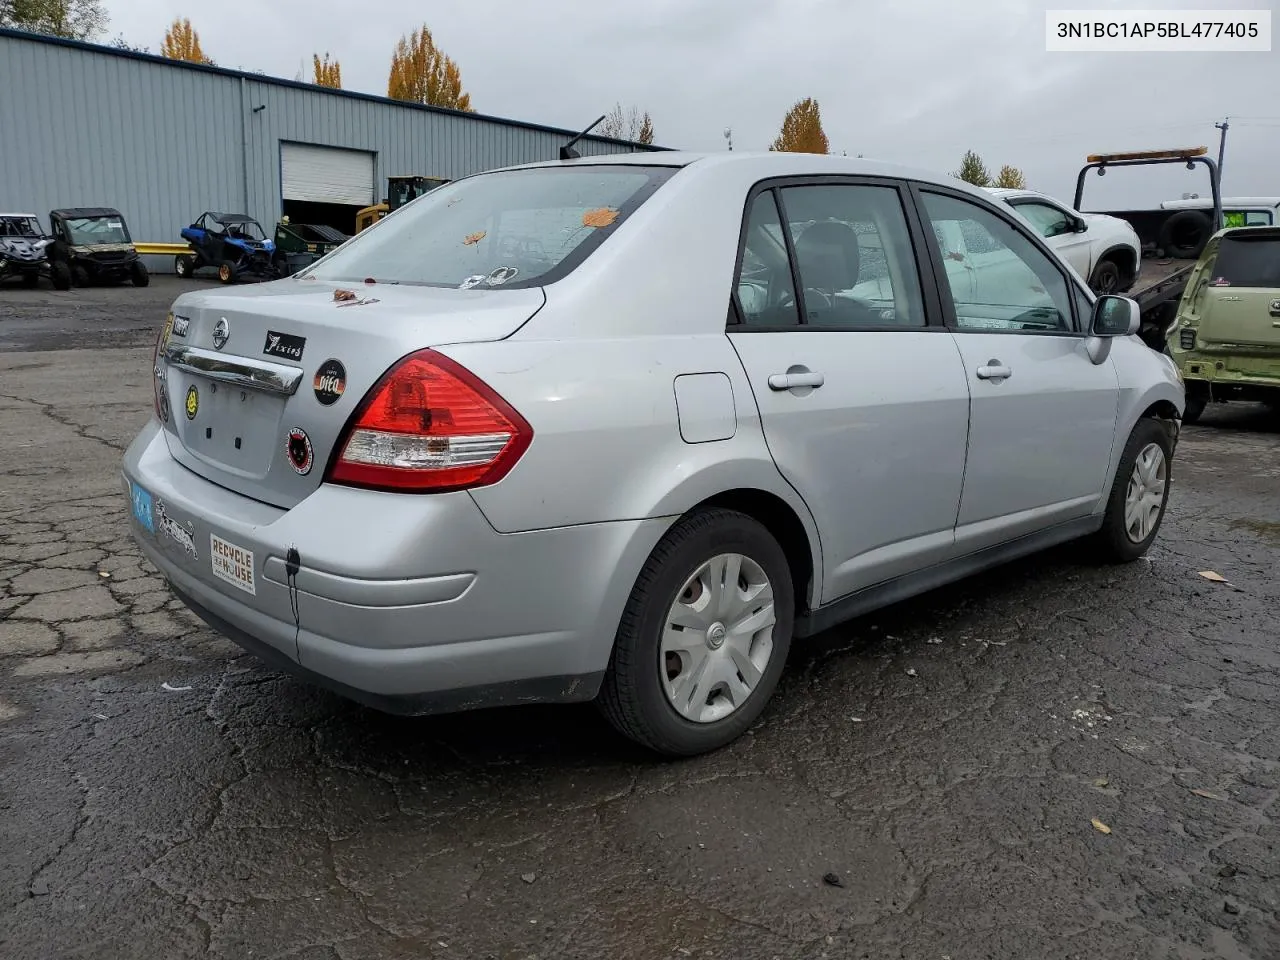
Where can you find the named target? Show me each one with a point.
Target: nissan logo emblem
(221, 333)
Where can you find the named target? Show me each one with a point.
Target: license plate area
(231, 427)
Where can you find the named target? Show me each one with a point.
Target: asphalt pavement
(1052, 760)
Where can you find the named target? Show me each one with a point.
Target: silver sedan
(625, 428)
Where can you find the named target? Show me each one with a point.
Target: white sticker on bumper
(232, 564)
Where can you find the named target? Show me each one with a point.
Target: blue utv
(232, 243)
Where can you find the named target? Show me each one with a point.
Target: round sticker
(298, 447)
(330, 382)
(193, 402)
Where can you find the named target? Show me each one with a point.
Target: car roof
(1004, 193)
(232, 217)
(1197, 202)
(88, 213)
(763, 164)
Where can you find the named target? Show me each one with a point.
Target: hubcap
(1144, 500)
(718, 638)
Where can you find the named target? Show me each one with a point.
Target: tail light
(429, 425)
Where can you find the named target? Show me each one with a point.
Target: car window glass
(765, 291)
(1247, 263)
(1257, 218)
(854, 256)
(1049, 220)
(510, 228)
(1004, 282)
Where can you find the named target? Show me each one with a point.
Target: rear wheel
(60, 275)
(79, 276)
(184, 265)
(1106, 277)
(1139, 494)
(226, 271)
(703, 638)
(138, 274)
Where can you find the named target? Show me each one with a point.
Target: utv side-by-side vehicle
(232, 243)
(95, 245)
(23, 255)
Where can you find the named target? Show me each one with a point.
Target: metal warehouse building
(163, 140)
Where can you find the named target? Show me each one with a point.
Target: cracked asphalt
(164, 795)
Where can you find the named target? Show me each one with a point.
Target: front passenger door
(862, 399)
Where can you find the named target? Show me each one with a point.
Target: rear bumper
(411, 604)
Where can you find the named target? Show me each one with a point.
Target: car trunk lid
(260, 380)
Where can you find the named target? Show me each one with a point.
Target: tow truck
(1165, 268)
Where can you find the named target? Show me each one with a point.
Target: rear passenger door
(1043, 417)
(860, 389)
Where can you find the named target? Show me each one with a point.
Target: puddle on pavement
(1265, 528)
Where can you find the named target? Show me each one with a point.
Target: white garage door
(326, 175)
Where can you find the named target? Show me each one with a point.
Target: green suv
(1226, 338)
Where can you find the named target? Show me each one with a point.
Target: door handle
(994, 370)
(789, 381)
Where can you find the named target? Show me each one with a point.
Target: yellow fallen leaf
(600, 217)
(1101, 782)
(1100, 826)
(1215, 577)
(471, 239)
(1207, 795)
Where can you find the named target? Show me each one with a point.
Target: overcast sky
(916, 81)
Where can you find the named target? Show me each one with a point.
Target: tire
(184, 266)
(1184, 234)
(1106, 278)
(227, 272)
(1194, 409)
(634, 696)
(60, 275)
(1114, 542)
(138, 274)
(31, 280)
(80, 276)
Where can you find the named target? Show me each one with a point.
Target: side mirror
(1082, 226)
(1115, 317)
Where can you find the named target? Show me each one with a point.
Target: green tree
(422, 73)
(802, 130)
(1011, 178)
(973, 170)
(73, 19)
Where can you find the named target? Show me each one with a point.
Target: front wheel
(138, 274)
(1139, 494)
(31, 280)
(703, 638)
(184, 265)
(1106, 278)
(60, 275)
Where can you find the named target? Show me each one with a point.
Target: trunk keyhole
(237, 443)
(208, 433)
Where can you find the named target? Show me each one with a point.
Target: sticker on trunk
(298, 449)
(330, 382)
(183, 536)
(232, 564)
(193, 402)
(181, 325)
(285, 345)
(142, 507)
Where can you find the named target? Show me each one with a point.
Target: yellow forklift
(400, 190)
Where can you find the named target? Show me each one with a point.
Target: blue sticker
(142, 507)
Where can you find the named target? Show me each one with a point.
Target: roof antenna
(567, 152)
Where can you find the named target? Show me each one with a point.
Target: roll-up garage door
(326, 174)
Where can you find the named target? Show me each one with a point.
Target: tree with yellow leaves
(1011, 178)
(802, 130)
(326, 73)
(422, 73)
(181, 42)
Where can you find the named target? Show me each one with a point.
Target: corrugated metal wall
(86, 126)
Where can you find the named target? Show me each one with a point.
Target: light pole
(1222, 146)
(728, 135)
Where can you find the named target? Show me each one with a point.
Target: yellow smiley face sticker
(193, 402)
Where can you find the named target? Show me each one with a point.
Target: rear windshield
(515, 228)
(1252, 262)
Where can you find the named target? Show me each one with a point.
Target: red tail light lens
(429, 425)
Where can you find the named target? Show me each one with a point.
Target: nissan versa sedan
(626, 428)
